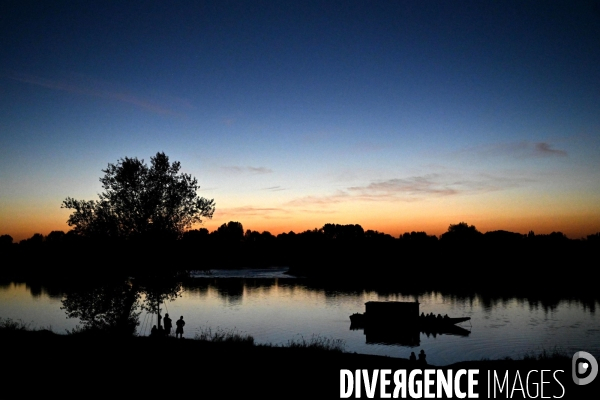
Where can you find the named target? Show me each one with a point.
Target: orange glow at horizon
(388, 219)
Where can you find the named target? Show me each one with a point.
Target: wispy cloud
(318, 211)
(427, 184)
(274, 188)
(519, 150)
(325, 201)
(252, 170)
(544, 149)
(264, 212)
(436, 185)
(260, 170)
(89, 87)
(415, 188)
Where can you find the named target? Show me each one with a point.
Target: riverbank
(42, 363)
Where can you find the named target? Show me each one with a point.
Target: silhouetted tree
(503, 237)
(6, 240)
(55, 237)
(251, 236)
(558, 236)
(378, 236)
(418, 237)
(595, 238)
(232, 231)
(343, 232)
(140, 202)
(462, 232)
(266, 235)
(34, 241)
(195, 235)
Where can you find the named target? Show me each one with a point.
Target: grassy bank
(216, 364)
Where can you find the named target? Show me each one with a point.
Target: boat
(401, 314)
(359, 319)
(399, 323)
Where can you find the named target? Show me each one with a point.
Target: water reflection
(108, 306)
(279, 309)
(403, 337)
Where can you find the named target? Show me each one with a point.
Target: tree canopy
(141, 201)
(462, 232)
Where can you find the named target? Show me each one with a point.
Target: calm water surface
(276, 309)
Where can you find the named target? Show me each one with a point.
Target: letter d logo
(590, 364)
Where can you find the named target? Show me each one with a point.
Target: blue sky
(398, 115)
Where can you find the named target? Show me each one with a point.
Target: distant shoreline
(563, 285)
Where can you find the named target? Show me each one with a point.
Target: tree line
(333, 251)
(233, 233)
(141, 225)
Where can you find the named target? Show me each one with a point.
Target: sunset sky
(395, 115)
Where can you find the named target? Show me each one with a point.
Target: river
(277, 309)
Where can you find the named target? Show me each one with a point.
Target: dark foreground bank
(41, 363)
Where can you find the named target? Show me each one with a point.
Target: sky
(396, 115)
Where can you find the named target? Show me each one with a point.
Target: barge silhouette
(396, 322)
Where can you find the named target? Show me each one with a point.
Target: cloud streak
(428, 184)
(324, 201)
(274, 188)
(88, 87)
(518, 150)
(264, 212)
(544, 149)
(415, 188)
(251, 170)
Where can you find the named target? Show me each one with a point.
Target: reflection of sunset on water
(278, 310)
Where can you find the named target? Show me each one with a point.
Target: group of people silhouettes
(432, 316)
(422, 357)
(168, 325)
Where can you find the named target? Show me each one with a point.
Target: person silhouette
(180, 323)
(413, 357)
(153, 331)
(422, 356)
(168, 325)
